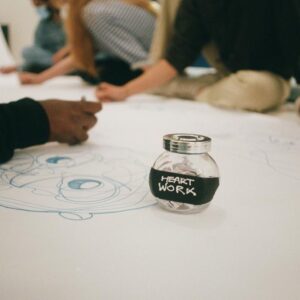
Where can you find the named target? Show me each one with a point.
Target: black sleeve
(189, 36)
(23, 123)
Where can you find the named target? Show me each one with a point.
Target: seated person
(27, 122)
(106, 38)
(49, 39)
(251, 45)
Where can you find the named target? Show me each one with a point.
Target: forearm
(189, 36)
(61, 54)
(65, 50)
(158, 75)
(63, 67)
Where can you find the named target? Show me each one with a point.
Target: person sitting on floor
(251, 44)
(49, 39)
(106, 38)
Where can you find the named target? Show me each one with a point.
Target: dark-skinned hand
(70, 121)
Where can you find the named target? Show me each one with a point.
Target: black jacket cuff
(24, 123)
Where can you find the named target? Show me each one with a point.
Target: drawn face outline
(52, 168)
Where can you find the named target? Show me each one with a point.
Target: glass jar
(185, 177)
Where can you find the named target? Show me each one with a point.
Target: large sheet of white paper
(79, 222)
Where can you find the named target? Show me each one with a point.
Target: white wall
(21, 17)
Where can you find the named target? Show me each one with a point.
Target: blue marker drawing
(82, 184)
(75, 182)
(56, 159)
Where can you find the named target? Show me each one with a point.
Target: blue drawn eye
(74, 189)
(84, 184)
(56, 159)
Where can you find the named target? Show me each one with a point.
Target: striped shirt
(120, 29)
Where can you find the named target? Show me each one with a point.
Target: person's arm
(188, 39)
(65, 66)
(155, 76)
(27, 122)
(61, 54)
(8, 69)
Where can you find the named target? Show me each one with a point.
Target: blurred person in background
(251, 44)
(49, 39)
(107, 38)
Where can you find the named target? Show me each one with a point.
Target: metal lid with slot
(186, 143)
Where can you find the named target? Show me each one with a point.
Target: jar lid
(186, 143)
